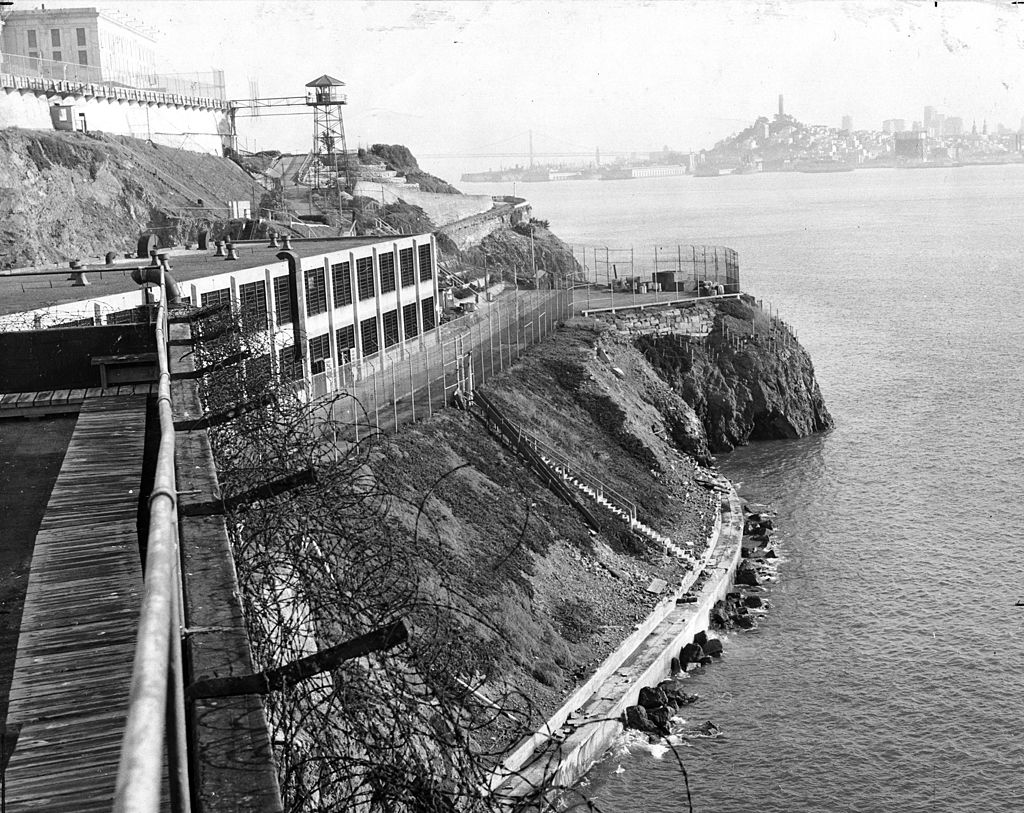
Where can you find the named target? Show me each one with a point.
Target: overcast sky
(471, 76)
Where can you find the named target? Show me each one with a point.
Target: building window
(409, 317)
(81, 36)
(282, 301)
(426, 267)
(217, 297)
(290, 369)
(341, 283)
(32, 43)
(58, 56)
(346, 338)
(252, 297)
(387, 272)
(428, 313)
(55, 37)
(364, 277)
(319, 349)
(368, 333)
(316, 292)
(33, 55)
(83, 58)
(408, 272)
(391, 334)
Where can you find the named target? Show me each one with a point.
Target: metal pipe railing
(156, 702)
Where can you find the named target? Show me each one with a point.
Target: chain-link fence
(627, 277)
(383, 392)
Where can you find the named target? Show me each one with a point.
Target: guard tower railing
(156, 706)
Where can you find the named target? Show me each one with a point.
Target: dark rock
(746, 576)
(706, 660)
(652, 697)
(746, 622)
(636, 718)
(771, 554)
(753, 601)
(701, 639)
(691, 653)
(659, 717)
(675, 668)
(718, 616)
(714, 648)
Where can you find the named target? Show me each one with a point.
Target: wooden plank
(73, 667)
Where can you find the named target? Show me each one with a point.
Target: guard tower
(325, 96)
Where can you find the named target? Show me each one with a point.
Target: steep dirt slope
(68, 195)
(555, 598)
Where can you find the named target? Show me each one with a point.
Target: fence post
(444, 377)
(394, 395)
(412, 389)
(490, 340)
(376, 402)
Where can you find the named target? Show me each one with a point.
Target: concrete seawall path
(569, 744)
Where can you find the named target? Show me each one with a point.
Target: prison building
(341, 300)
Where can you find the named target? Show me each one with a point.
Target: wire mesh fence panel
(411, 381)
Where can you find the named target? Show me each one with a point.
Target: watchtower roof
(325, 81)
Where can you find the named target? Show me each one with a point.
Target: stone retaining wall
(696, 319)
(471, 230)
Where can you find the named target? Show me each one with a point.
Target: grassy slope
(560, 599)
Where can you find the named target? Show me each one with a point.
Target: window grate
(391, 334)
(409, 313)
(426, 263)
(341, 284)
(387, 272)
(316, 292)
(428, 313)
(405, 260)
(364, 277)
(368, 333)
(282, 301)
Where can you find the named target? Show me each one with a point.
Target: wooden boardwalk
(71, 677)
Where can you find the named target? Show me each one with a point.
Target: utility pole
(531, 149)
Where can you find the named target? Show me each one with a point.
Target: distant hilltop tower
(782, 110)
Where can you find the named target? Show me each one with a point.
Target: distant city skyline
(447, 77)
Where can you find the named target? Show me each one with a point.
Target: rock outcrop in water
(749, 379)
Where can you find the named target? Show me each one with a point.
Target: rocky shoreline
(655, 712)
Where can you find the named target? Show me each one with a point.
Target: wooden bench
(127, 368)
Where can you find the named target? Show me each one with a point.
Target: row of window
(345, 337)
(58, 56)
(33, 41)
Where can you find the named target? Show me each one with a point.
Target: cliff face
(748, 380)
(511, 250)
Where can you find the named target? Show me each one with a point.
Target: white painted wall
(189, 128)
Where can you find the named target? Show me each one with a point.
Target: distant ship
(618, 173)
(707, 172)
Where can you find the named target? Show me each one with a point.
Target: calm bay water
(889, 675)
